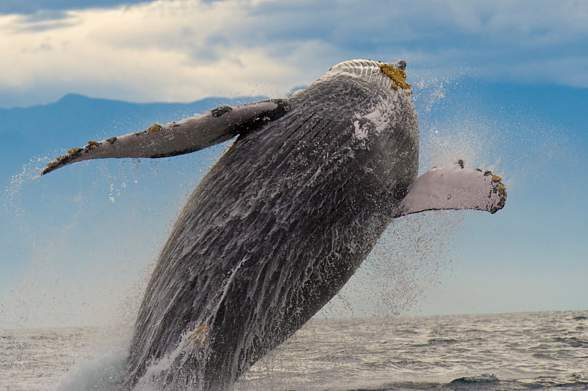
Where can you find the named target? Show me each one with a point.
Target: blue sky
(503, 84)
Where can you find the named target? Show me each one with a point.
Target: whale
(282, 220)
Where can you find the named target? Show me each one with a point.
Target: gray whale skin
(282, 220)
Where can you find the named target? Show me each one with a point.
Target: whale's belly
(271, 234)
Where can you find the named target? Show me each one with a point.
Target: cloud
(44, 21)
(36, 6)
(183, 50)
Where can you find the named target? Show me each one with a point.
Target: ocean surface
(547, 350)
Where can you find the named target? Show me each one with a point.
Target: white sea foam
(102, 373)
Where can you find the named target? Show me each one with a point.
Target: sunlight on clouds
(181, 50)
(163, 51)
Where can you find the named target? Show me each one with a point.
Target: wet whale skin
(274, 231)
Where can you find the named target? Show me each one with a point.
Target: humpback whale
(282, 220)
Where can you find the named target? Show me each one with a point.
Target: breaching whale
(282, 220)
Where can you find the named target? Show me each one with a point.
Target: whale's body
(282, 220)
(277, 227)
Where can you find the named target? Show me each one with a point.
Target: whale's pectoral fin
(454, 188)
(176, 138)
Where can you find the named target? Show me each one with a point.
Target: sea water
(545, 350)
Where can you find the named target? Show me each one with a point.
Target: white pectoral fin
(176, 138)
(454, 188)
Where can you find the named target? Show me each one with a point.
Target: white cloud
(183, 50)
(145, 53)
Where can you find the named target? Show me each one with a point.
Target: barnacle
(74, 152)
(396, 74)
(500, 188)
(154, 128)
(219, 111)
(50, 167)
(91, 145)
(62, 160)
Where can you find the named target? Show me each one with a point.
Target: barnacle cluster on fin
(501, 189)
(219, 111)
(62, 160)
(154, 128)
(91, 145)
(73, 152)
(396, 74)
(497, 187)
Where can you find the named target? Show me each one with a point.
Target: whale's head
(387, 75)
(373, 100)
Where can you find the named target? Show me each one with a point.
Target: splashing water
(429, 93)
(29, 172)
(403, 265)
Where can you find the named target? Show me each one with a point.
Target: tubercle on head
(397, 74)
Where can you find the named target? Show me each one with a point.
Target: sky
(499, 83)
(183, 50)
